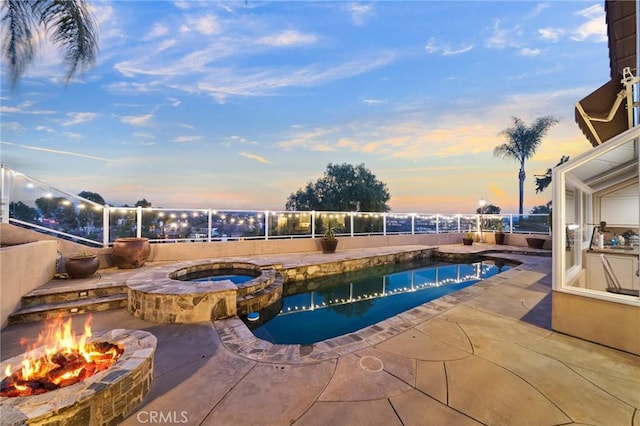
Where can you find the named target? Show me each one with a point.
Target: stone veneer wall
(106, 398)
(305, 272)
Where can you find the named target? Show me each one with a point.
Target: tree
(88, 216)
(523, 141)
(93, 196)
(488, 209)
(541, 209)
(543, 181)
(59, 211)
(23, 212)
(342, 188)
(142, 203)
(69, 23)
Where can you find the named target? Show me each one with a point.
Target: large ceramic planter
(130, 252)
(500, 238)
(81, 266)
(328, 246)
(467, 241)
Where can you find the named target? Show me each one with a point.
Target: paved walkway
(484, 355)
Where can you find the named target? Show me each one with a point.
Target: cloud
(186, 139)
(205, 25)
(499, 38)
(551, 34)
(469, 129)
(433, 47)
(450, 52)
(20, 110)
(71, 135)
(525, 51)
(56, 151)
(144, 135)
(137, 120)
(288, 38)
(360, 12)
(79, 117)
(158, 30)
(373, 101)
(267, 82)
(538, 9)
(496, 191)
(255, 157)
(595, 28)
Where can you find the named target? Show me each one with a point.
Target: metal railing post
(5, 193)
(510, 223)
(351, 222)
(413, 223)
(105, 226)
(209, 224)
(139, 221)
(437, 224)
(313, 223)
(266, 224)
(459, 224)
(384, 224)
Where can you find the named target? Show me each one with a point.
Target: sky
(236, 105)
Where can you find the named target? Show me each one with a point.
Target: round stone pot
(81, 266)
(130, 252)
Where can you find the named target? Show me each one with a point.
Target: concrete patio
(484, 355)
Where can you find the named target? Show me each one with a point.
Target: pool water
(208, 276)
(316, 310)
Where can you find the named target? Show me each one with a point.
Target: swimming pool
(315, 310)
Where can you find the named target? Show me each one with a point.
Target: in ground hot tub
(166, 294)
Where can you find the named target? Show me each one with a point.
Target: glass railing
(33, 204)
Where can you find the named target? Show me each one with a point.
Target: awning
(603, 114)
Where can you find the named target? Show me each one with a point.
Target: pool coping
(237, 337)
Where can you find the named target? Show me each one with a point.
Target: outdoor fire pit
(90, 379)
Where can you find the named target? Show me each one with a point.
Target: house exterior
(596, 199)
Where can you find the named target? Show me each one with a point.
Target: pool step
(261, 299)
(68, 308)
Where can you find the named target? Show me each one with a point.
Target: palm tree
(522, 143)
(69, 23)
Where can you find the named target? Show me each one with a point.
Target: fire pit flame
(68, 359)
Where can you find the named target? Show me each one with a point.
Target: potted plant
(329, 241)
(467, 240)
(499, 234)
(130, 252)
(82, 265)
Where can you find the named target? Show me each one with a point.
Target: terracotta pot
(500, 238)
(81, 266)
(328, 246)
(130, 252)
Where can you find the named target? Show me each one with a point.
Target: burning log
(70, 359)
